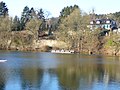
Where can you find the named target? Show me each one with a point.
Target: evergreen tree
(29, 14)
(25, 14)
(16, 24)
(40, 14)
(3, 9)
(25, 17)
(66, 11)
(32, 13)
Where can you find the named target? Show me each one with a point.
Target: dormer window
(108, 21)
(97, 22)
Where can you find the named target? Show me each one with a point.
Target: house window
(107, 26)
(98, 22)
(107, 21)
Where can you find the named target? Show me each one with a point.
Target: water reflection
(31, 78)
(90, 75)
(2, 79)
(46, 71)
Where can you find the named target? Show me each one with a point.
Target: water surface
(47, 71)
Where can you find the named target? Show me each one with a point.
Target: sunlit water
(47, 71)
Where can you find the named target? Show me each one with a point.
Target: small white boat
(62, 51)
(2, 60)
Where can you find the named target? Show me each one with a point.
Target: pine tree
(16, 24)
(40, 14)
(25, 14)
(3, 9)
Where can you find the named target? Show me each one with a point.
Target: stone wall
(51, 43)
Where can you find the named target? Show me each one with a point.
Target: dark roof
(102, 21)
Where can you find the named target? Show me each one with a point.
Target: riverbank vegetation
(71, 27)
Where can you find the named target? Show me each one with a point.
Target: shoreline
(84, 53)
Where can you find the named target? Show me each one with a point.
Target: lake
(48, 71)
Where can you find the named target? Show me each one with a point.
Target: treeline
(70, 27)
(28, 14)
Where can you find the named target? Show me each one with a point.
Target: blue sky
(55, 6)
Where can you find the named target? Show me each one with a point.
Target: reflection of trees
(2, 78)
(100, 67)
(2, 82)
(112, 70)
(31, 77)
(73, 74)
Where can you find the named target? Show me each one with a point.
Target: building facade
(103, 24)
